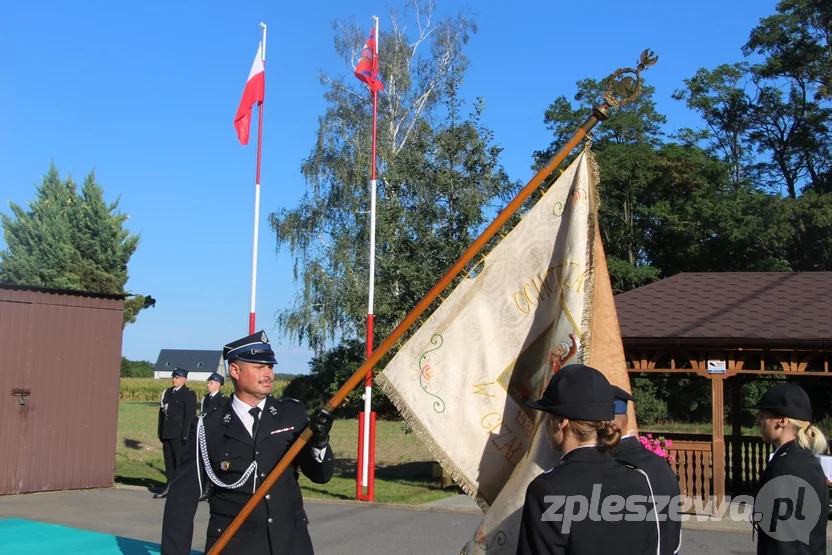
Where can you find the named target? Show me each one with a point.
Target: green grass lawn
(403, 465)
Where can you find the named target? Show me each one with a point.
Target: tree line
(748, 190)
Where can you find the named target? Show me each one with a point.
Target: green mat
(25, 537)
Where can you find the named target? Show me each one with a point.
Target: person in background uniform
(178, 408)
(579, 403)
(235, 448)
(662, 478)
(785, 421)
(214, 398)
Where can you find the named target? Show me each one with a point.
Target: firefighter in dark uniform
(176, 411)
(785, 421)
(579, 403)
(214, 398)
(664, 482)
(235, 448)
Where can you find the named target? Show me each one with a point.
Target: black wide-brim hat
(578, 392)
(253, 348)
(786, 399)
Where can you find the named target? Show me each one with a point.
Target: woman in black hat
(785, 421)
(589, 503)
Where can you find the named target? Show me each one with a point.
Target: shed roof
(760, 306)
(75, 293)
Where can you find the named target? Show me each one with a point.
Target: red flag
(367, 68)
(254, 93)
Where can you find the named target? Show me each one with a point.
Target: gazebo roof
(742, 307)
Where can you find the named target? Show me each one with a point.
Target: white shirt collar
(242, 409)
(177, 388)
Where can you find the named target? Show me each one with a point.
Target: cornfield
(149, 389)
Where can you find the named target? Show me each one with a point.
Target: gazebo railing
(694, 463)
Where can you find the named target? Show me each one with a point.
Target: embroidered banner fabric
(462, 379)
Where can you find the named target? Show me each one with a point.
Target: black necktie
(255, 413)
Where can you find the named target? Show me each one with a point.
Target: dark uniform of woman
(663, 481)
(588, 473)
(792, 462)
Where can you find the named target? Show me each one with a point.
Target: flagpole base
(360, 493)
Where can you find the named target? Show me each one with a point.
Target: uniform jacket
(278, 525)
(793, 460)
(664, 484)
(175, 415)
(210, 403)
(575, 475)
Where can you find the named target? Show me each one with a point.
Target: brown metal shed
(60, 357)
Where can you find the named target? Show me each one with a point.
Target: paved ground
(337, 528)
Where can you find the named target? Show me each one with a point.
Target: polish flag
(254, 92)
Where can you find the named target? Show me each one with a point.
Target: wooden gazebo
(729, 328)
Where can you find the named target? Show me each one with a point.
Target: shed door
(16, 344)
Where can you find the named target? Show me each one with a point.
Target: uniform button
(219, 529)
(268, 496)
(262, 475)
(257, 452)
(270, 521)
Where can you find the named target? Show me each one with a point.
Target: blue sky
(145, 93)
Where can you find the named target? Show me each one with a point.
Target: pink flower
(668, 443)
(671, 458)
(650, 436)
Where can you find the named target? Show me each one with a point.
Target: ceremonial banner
(462, 379)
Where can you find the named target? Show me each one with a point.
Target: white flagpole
(251, 316)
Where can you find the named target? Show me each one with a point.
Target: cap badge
(263, 337)
(225, 465)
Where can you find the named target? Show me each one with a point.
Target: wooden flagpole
(619, 91)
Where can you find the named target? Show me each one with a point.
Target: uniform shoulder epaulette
(288, 399)
(205, 413)
(554, 470)
(627, 464)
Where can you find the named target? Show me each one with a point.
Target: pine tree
(70, 240)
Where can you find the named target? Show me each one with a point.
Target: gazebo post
(737, 478)
(718, 438)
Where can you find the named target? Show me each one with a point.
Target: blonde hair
(809, 437)
(607, 433)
